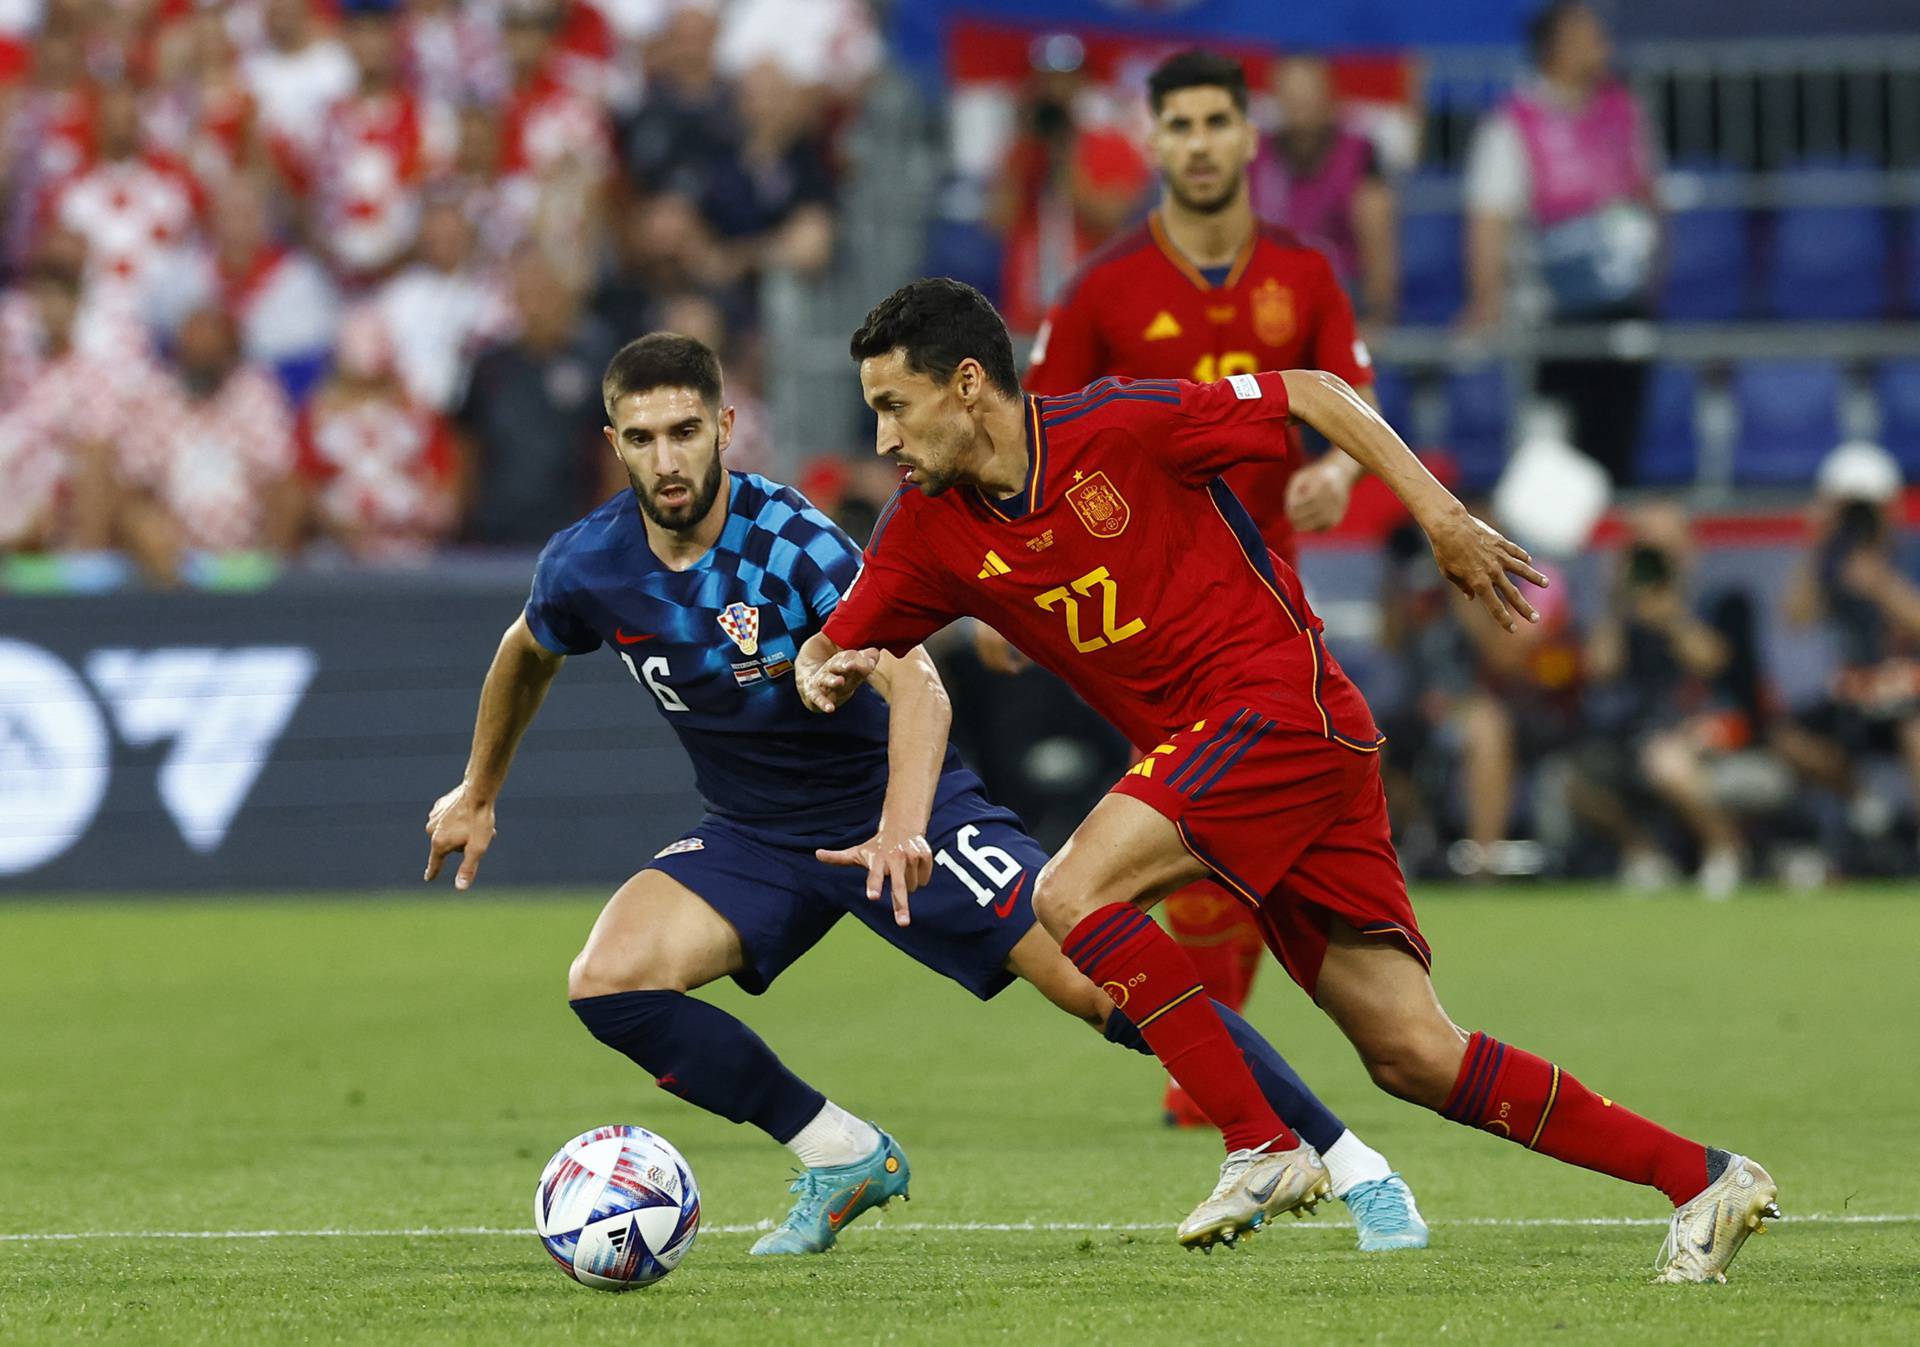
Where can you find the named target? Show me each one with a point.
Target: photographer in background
(1850, 582)
(1652, 662)
(1069, 181)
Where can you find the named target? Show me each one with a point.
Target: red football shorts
(1290, 823)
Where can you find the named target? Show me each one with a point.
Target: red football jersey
(1124, 565)
(1139, 308)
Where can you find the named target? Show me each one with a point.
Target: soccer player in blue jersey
(705, 583)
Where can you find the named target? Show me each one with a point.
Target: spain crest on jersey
(741, 623)
(1273, 312)
(1100, 507)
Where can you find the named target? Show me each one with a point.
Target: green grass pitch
(373, 1067)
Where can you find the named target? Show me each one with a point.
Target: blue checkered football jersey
(712, 647)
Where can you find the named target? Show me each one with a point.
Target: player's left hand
(828, 686)
(897, 862)
(1317, 495)
(1481, 564)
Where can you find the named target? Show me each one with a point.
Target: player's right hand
(996, 652)
(896, 861)
(458, 822)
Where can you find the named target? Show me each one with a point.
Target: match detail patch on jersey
(1245, 386)
(1164, 327)
(741, 623)
(991, 566)
(1101, 508)
(681, 847)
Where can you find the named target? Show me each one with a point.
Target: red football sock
(1216, 932)
(1516, 1095)
(1153, 981)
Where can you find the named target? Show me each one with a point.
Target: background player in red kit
(1094, 531)
(1203, 291)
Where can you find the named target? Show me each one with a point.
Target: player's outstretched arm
(827, 676)
(462, 819)
(1473, 556)
(897, 858)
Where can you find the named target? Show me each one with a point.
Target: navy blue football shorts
(782, 900)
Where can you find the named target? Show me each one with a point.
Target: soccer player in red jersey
(1203, 291)
(1095, 532)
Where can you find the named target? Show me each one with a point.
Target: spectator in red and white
(1068, 182)
(201, 110)
(825, 45)
(105, 333)
(377, 147)
(442, 309)
(585, 51)
(47, 133)
(454, 53)
(548, 120)
(286, 305)
(56, 428)
(300, 73)
(210, 468)
(136, 207)
(1325, 183)
(500, 207)
(380, 470)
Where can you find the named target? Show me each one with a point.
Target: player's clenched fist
(1480, 563)
(458, 822)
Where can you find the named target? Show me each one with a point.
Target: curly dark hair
(939, 322)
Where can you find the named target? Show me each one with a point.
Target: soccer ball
(617, 1207)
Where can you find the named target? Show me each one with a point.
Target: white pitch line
(934, 1227)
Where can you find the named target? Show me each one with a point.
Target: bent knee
(1419, 1068)
(593, 973)
(1057, 906)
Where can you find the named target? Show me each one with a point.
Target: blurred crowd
(345, 273)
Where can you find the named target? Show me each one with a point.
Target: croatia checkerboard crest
(741, 623)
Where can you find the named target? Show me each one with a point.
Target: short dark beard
(1227, 198)
(686, 516)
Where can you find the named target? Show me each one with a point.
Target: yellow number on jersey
(1063, 598)
(1209, 369)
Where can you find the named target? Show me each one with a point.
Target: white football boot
(1253, 1186)
(1708, 1231)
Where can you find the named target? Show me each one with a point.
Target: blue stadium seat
(1432, 277)
(1669, 449)
(1477, 410)
(1829, 262)
(1709, 257)
(1395, 391)
(967, 251)
(1897, 384)
(1910, 237)
(1789, 418)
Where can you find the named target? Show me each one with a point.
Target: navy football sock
(705, 1056)
(1299, 1107)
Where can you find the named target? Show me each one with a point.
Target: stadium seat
(1432, 280)
(1669, 451)
(1395, 391)
(1897, 385)
(967, 251)
(1829, 262)
(1910, 246)
(1789, 418)
(1477, 412)
(1708, 262)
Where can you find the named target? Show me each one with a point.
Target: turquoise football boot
(1384, 1215)
(831, 1199)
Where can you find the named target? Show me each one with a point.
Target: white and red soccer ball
(617, 1207)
